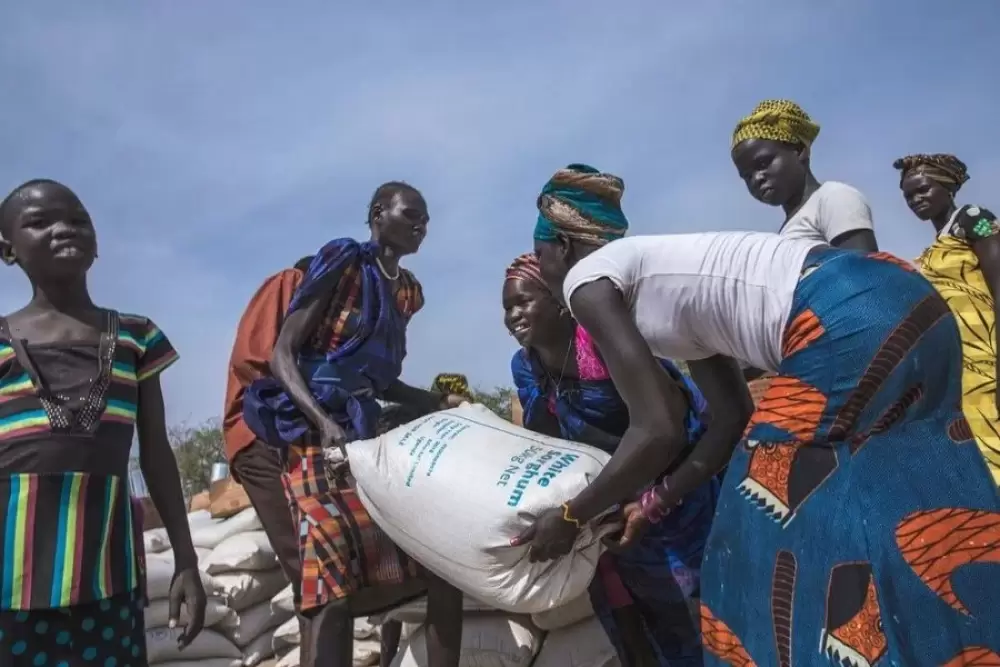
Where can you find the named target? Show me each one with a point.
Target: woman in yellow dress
(963, 263)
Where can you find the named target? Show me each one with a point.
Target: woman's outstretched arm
(656, 435)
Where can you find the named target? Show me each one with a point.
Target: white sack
(582, 645)
(245, 589)
(160, 572)
(200, 518)
(156, 541)
(287, 636)
(364, 629)
(209, 536)
(251, 623)
(216, 662)
(198, 551)
(157, 614)
(284, 600)
(452, 489)
(161, 646)
(290, 659)
(488, 640)
(416, 611)
(366, 653)
(579, 609)
(258, 650)
(246, 551)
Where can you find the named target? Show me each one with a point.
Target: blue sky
(217, 142)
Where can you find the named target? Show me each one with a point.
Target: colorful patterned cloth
(354, 356)
(341, 549)
(660, 574)
(452, 383)
(951, 264)
(944, 168)
(583, 204)
(67, 422)
(857, 523)
(106, 633)
(777, 120)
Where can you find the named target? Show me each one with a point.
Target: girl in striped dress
(75, 381)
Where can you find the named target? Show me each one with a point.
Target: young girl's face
(49, 232)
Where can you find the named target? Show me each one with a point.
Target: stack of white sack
(453, 488)
(287, 642)
(245, 566)
(209, 649)
(490, 638)
(575, 637)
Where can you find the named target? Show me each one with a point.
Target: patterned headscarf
(777, 120)
(946, 169)
(583, 204)
(525, 267)
(452, 383)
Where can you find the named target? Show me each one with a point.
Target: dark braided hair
(384, 194)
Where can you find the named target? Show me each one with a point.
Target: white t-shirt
(834, 209)
(697, 295)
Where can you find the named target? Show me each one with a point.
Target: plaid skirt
(106, 633)
(341, 549)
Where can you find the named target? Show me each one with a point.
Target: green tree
(497, 400)
(196, 449)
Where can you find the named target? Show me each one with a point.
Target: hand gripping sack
(452, 489)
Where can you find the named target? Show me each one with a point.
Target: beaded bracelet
(652, 507)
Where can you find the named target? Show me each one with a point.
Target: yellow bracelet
(567, 517)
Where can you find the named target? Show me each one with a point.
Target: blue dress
(858, 523)
(661, 573)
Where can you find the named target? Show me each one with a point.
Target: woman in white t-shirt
(771, 150)
(857, 494)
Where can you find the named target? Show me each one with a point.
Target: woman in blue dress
(644, 596)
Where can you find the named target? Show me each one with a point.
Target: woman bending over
(644, 595)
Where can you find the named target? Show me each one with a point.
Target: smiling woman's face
(927, 198)
(530, 312)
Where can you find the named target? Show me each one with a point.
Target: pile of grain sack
(250, 615)
(569, 636)
(240, 573)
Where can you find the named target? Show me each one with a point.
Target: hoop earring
(7, 257)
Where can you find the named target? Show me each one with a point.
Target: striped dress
(70, 582)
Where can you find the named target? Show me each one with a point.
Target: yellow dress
(951, 265)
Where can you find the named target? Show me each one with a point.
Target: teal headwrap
(583, 204)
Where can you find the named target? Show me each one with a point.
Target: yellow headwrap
(452, 383)
(946, 169)
(777, 120)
